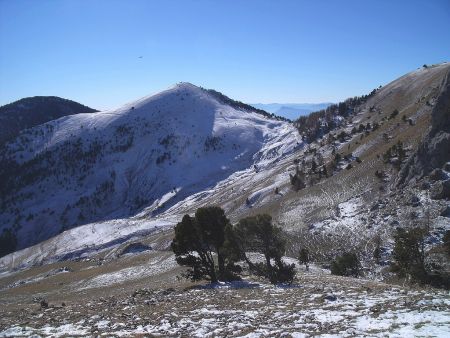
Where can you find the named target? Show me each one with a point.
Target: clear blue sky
(254, 51)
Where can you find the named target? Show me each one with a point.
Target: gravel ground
(317, 304)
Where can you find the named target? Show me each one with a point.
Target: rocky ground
(318, 304)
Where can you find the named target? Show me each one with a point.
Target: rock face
(434, 152)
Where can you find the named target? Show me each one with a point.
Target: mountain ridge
(145, 154)
(32, 111)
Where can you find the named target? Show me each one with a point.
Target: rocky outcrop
(434, 152)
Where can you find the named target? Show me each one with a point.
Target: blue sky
(254, 51)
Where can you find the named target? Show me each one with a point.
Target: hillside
(359, 195)
(367, 167)
(32, 111)
(151, 153)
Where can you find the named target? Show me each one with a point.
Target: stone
(445, 212)
(330, 298)
(446, 166)
(440, 190)
(415, 201)
(438, 175)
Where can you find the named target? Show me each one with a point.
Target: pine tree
(303, 258)
(409, 253)
(204, 235)
(346, 265)
(258, 234)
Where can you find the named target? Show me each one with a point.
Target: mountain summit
(145, 155)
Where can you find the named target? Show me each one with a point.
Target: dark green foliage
(337, 158)
(324, 171)
(323, 121)
(412, 260)
(282, 272)
(313, 166)
(200, 240)
(297, 180)
(304, 258)
(342, 136)
(212, 143)
(210, 246)
(346, 265)
(258, 234)
(33, 111)
(8, 242)
(393, 114)
(446, 241)
(409, 253)
(396, 151)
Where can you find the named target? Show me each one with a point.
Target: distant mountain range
(291, 111)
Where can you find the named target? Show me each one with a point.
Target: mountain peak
(186, 85)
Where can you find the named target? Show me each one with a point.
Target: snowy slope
(151, 153)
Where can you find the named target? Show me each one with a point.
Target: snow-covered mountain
(32, 111)
(148, 154)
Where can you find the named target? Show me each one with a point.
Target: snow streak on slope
(150, 154)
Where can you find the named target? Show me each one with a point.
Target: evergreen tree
(409, 253)
(258, 234)
(313, 166)
(8, 242)
(446, 240)
(346, 265)
(303, 258)
(199, 240)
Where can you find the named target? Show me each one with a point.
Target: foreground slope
(149, 154)
(319, 305)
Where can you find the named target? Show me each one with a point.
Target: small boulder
(441, 190)
(446, 166)
(415, 201)
(425, 185)
(330, 298)
(445, 212)
(438, 175)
